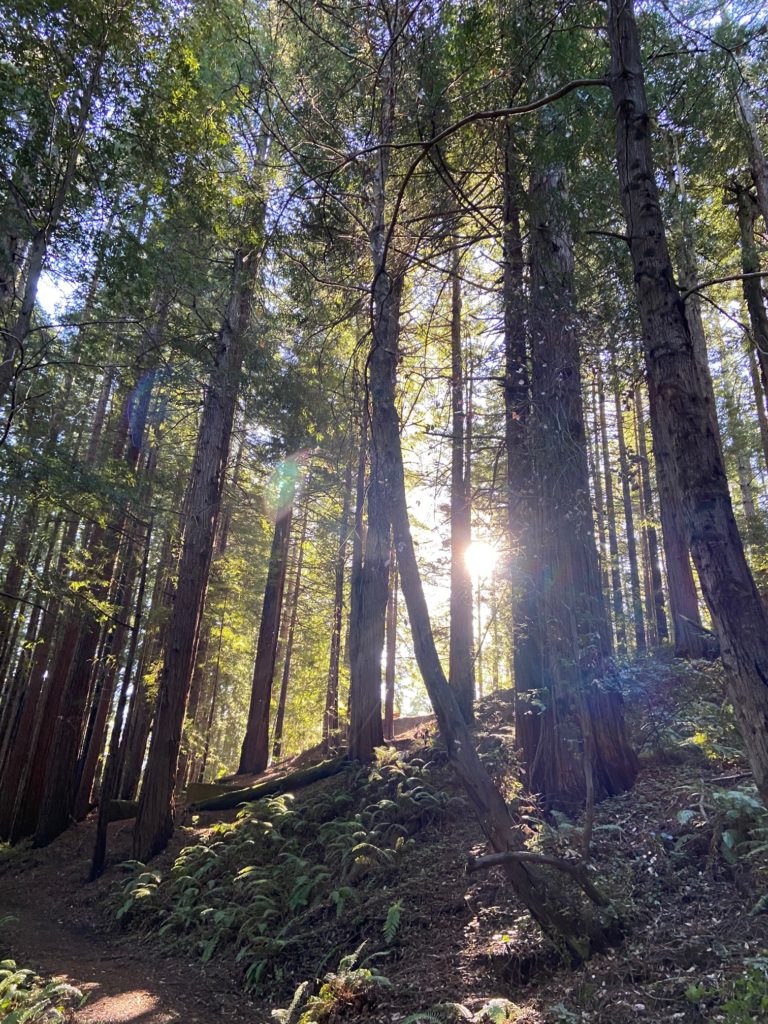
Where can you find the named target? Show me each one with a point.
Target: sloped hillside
(360, 880)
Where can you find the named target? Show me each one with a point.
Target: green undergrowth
(677, 711)
(294, 883)
(26, 998)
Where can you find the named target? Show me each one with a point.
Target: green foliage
(741, 1000)
(392, 921)
(676, 711)
(749, 999)
(260, 889)
(343, 994)
(735, 820)
(496, 1011)
(27, 999)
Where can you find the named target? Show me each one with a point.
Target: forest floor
(691, 903)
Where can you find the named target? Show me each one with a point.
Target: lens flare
(284, 485)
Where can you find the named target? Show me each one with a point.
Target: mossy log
(121, 810)
(273, 787)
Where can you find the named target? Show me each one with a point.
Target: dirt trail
(57, 927)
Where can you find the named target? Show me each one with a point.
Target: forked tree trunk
(685, 437)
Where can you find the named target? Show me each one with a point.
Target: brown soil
(54, 922)
(463, 938)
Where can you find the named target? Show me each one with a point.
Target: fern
(392, 920)
(26, 999)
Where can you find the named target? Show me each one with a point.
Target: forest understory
(683, 855)
(383, 511)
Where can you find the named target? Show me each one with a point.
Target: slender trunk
(685, 437)
(761, 402)
(652, 541)
(629, 520)
(370, 584)
(331, 715)
(753, 292)
(596, 473)
(294, 606)
(38, 248)
(155, 818)
(214, 696)
(617, 592)
(460, 671)
(389, 671)
(254, 755)
(112, 766)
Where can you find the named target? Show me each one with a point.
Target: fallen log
(273, 787)
(121, 810)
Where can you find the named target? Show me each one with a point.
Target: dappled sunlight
(129, 1007)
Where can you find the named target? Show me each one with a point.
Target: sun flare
(480, 558)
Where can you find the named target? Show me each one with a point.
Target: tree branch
(723, 280)
(577, 870)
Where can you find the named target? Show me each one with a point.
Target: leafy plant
(344, 993)
(257, 889)
(392, 920)
(749, 999)
(27, 999)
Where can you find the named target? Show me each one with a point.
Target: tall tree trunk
(629, 520)
(389, 671)
(112, 766)
(38, 247)
(460, 667)
(155, 818)
(370, 585)
(652, 541)
(617, 591)
(560, 915)
(753, 292)
(214, 695)
(277, 748)
(596, 473)
(254, 755)
(570, 603)
(521, 502)
(685, 437)
(757, 162)
(761, 402)
(331, 715)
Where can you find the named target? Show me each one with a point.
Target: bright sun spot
(480, 558)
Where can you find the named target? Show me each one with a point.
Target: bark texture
(685, 437)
